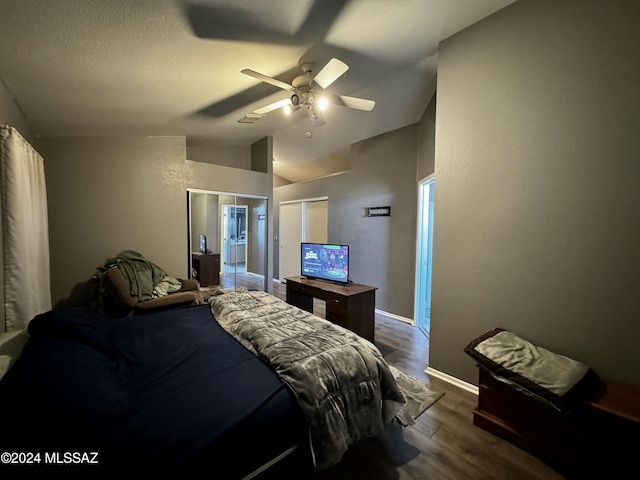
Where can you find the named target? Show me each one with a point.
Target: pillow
(547, 376)
(11, 344)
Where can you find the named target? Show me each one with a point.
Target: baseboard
(394, 316)
(452, 380)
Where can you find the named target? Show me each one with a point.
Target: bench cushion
(550, 377)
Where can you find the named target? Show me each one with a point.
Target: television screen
(203, 243)
(325, 262)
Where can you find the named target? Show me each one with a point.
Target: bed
(233, 385)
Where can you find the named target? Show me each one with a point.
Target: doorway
(424, 254)
(235, 238)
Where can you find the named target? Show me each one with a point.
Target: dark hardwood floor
(443, 444)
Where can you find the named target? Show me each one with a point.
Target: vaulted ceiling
(172, 67)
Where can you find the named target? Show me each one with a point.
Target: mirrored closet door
(227, 239)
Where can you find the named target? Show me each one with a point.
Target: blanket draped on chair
(142, 274)
(341, 381)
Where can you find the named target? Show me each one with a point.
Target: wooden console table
(351, 306)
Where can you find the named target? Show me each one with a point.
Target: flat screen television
(203, 244)
(325, 261)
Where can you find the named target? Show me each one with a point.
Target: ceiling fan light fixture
(307, 90)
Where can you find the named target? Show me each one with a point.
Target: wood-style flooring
(442, 445)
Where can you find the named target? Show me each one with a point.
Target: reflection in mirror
(235, 228)
(234, 238)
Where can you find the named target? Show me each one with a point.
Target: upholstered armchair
(119, 301)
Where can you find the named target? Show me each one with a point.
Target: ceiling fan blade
(352, 102)
(316, 117)
(264, 78)
(273, 106)
(333, 70)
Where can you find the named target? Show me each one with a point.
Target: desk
(207, 267)
(351, 306)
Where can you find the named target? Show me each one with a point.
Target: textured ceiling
(170, 67)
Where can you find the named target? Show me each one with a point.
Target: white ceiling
(172, 67)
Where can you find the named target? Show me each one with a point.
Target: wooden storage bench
(597, 438)
(555, 407)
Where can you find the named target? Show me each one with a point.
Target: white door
(300, 221)
(290, 237)
(315, 221)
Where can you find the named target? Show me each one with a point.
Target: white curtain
(25, 282)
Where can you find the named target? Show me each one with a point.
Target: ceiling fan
(308, 91)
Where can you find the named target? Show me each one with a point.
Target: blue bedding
(169, 389)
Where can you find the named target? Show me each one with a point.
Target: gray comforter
(343, 385)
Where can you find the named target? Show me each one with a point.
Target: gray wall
(537, 194)
(11, 115)
(204, 220)
(110, 194)
(211, 231)
(427, 140)
(382, 249)
(199, 223)
(257, 235)
(237, 156)
(262, 161)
